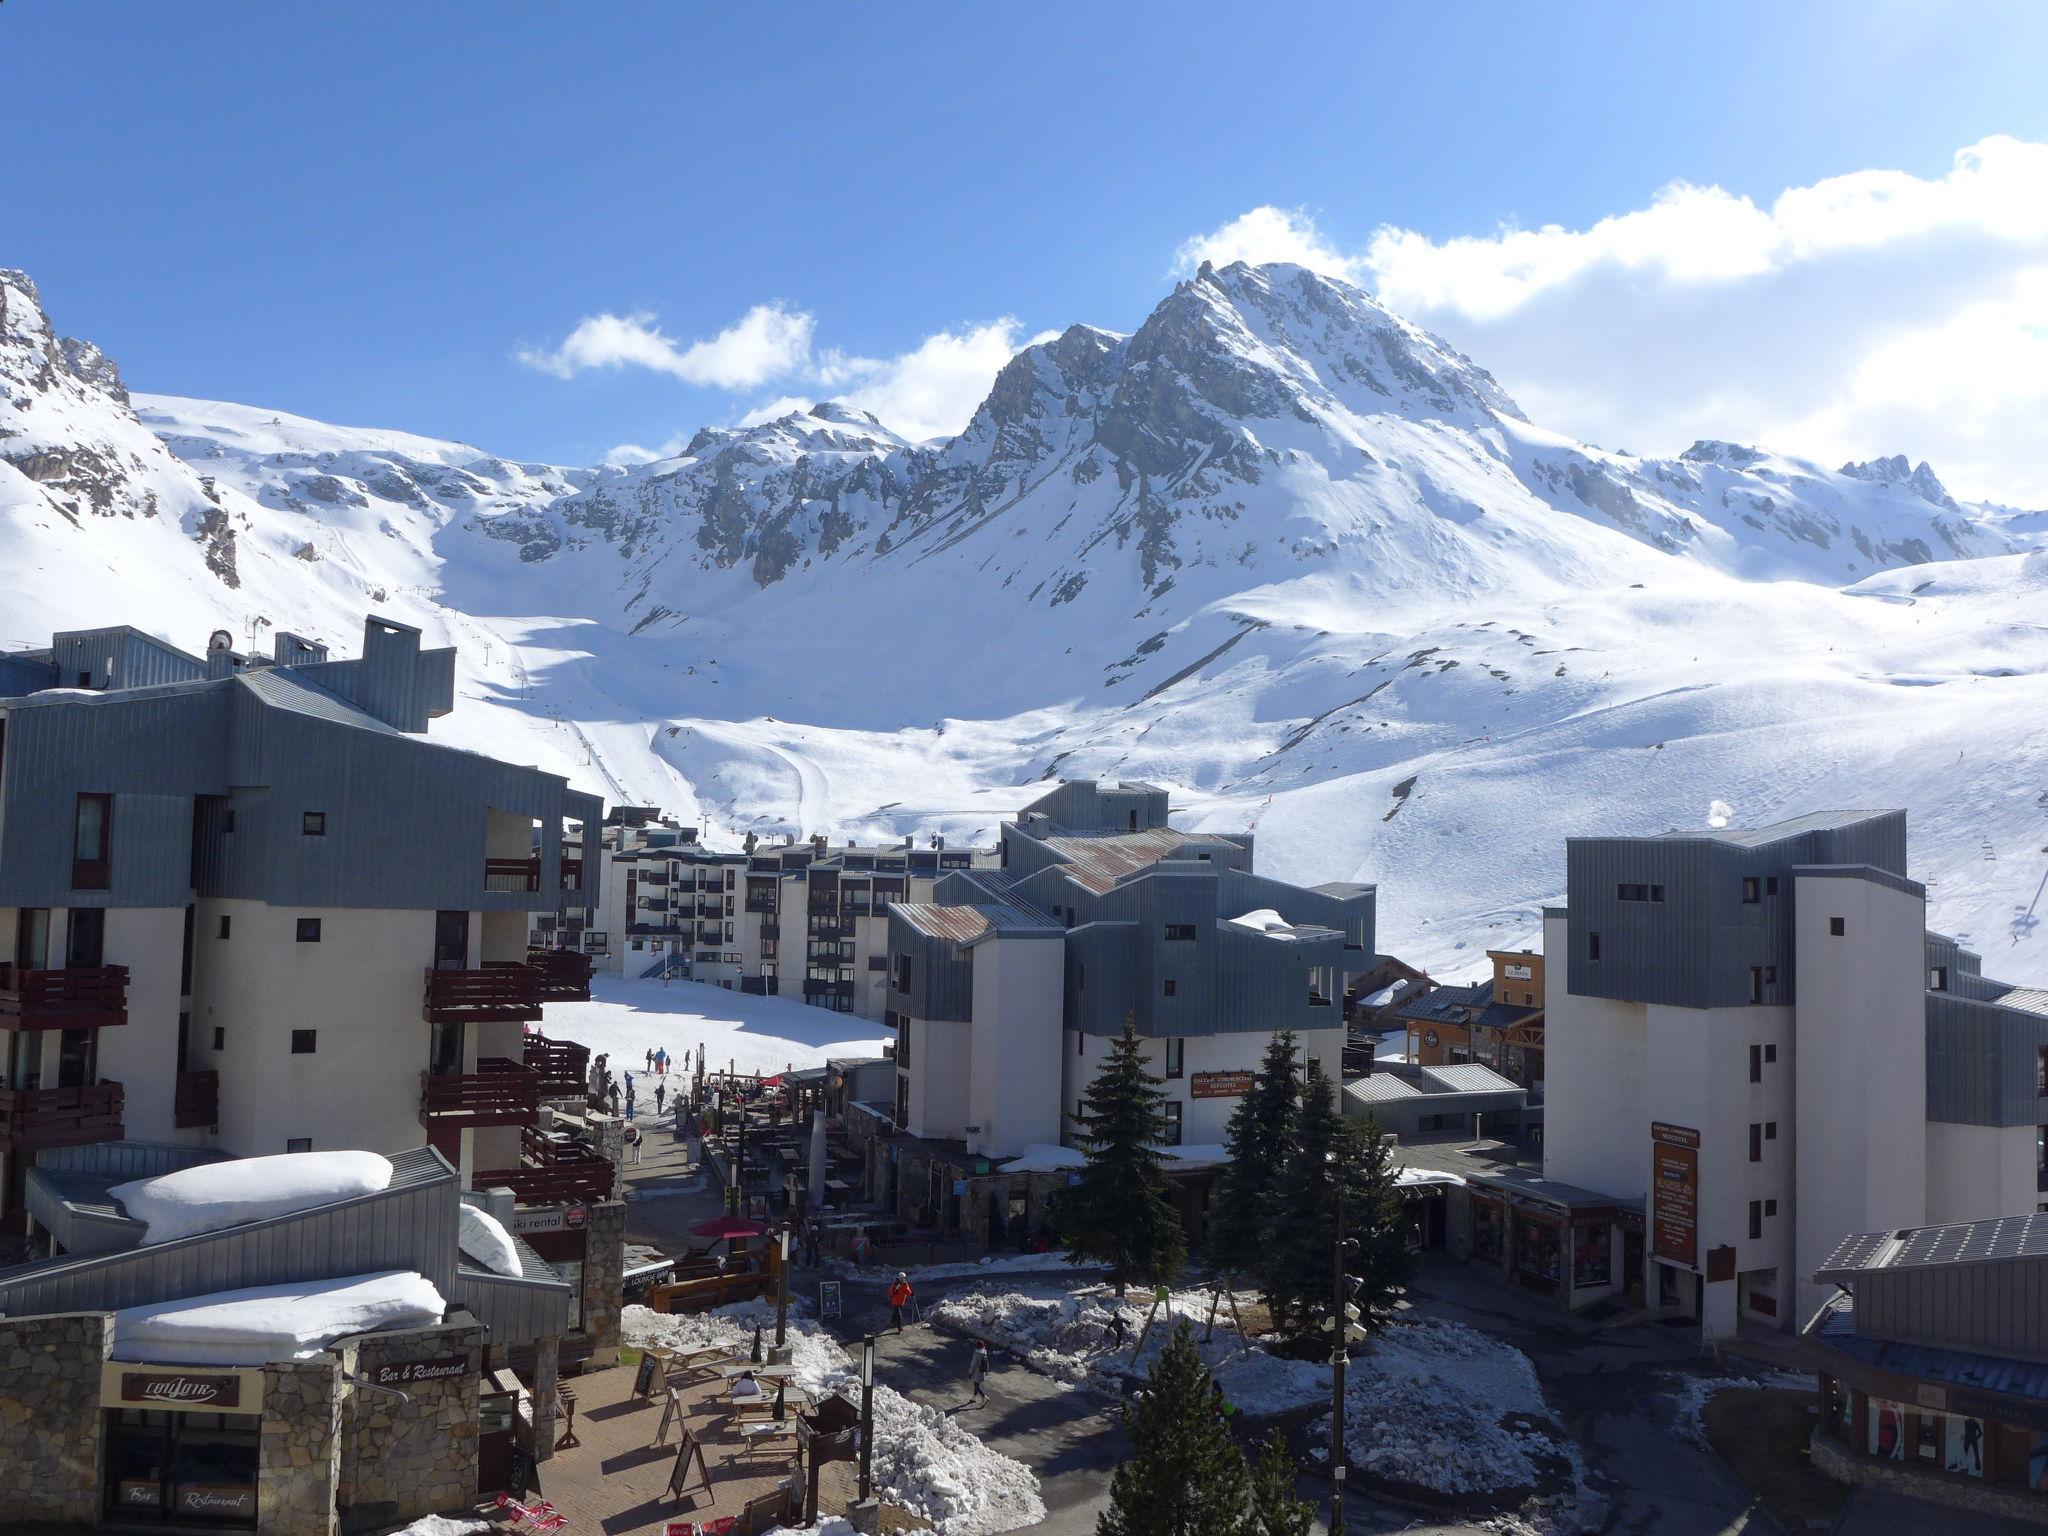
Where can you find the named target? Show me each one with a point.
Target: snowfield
(628, 1017)
(924, 1460)
(1062, 1332)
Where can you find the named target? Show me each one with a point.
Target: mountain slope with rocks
(1277, 548)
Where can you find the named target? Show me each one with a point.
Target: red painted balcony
(196, 1100)
(494, 994)
(499, 1092)
(84, 997)
(549, 1174)
(564, 974)
(59, 1117)
(563, 1065)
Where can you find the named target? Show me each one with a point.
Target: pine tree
(1275, 1510)
(1185, 1475)
(1256, 1141)
(1118, 1213)
(1373, 1214)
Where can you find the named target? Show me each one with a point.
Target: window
(1937, 978)
(1770, 975)
(1080, 1044)
(1770, 1053)
(2041, 1074)
(1770, 885)
(1080, 978)
(1176, 1056)
(92, 829)
(1178, 932)
(1756, 1142)
(313, 823)
(1167, 987)
(1756, 983)
(1752, 891)
(1171, 1112)
(220, 1037)
(1592, 946)
(1639, 892)
(901, 978)
(304, 1042)
(1770, 1207)
(1756, 1219)
(299, 1144)
(1756, 1063)
(223, 925)
(309, 930)
(1837, 926)
(1770, 1130)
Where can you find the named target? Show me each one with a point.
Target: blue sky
(383, 214)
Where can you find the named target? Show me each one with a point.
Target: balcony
(551, 1174)
(495, 993)
(771, 930)
(59, 1117)
(516, 876)
(563, 1065)
(499, 1092)
(710, 933)
(84, 997)
(564, 974)
(195, 1102)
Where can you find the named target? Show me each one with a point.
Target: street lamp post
(867, 1417)
(782, 1293)
(1337, 1348)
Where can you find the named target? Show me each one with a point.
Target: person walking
(660, 1093)
(977, 1373)
(613, 1095)
(901, 1295)
(632, 1143)
(1118, 1330)
(650, 1058)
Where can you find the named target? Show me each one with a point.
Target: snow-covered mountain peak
(1897, 470)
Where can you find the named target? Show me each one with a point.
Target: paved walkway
(1879, 1512)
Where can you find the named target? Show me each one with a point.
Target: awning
(728, 1227)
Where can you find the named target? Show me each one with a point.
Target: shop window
(1837, 927)
(313, 823)
(1488, 1230)
(309, 930)
(1592, 1254)
(1886, 1428)
(1537, 1246)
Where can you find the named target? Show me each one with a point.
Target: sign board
(198, 1391)
(1675, 1195)
(547, 1218)
(643, 1379)
(1220, 1085)
(1515, 972)
(214, 1501)
(141, 1493)
(689, 1467)
(828, 1298)
(406, 1373)
(959, 1186)
(519, 1475)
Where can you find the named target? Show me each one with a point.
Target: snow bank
(1064, 1334)
(483, 1237)
(273, 1322)
(1265, 920)
(442, 1525)
(924, 1460)
(210, 1196)
(1044, 1157)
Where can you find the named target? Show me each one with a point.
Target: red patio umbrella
(727, 1228)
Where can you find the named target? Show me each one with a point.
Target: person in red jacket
(900, 1296)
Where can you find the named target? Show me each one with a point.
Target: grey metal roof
(2027, 999)
(1530, 1185)
(285, 689)
(1968, 1242)
(1472, 1077)
(1835, 1327)
(1777, 831)
(1869, 872)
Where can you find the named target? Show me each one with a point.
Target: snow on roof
(1265, 920)
(1383, 996)
(274, 1322)
(482, 1237)
(1043, 1157)
(211, 1196)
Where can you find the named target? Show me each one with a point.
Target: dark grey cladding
(211, 780)
(1696, 946)
(1984, 1059)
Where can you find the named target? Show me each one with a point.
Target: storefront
(183, 1448)
(1550, 1238)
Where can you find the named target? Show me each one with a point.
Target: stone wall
(404, 1459)
(604, 1278)
(301, 1447)
(50, 1415)
(1834, 1459)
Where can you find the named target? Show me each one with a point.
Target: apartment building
(1757, 1044)
(1006, 987)
(247, 906)
(806, 920)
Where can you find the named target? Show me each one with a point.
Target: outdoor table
(740, 1368)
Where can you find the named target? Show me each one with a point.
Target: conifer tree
(1275, 1508)
(1118, 1213)
(1256, 1141)
(1185, 1475)
(1373, 1215)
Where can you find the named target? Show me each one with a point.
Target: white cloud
(931, 390)
(767, 342)
(1871, 313)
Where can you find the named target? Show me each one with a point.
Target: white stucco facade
(1014, 1075)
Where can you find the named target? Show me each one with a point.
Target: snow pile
(442, 1525)
(274, 1322)
(483, 1237)
(1265, 920)
(211, 1196)
(1044, 1157)
(924, 1460)
(1689, 1396)
(1439, 1406)
(1064, 1334)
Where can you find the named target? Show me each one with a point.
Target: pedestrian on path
(1118, 1330)
(901, 1296)
(650, 1058)
(633, 1143)
(613, 1095)
(660, 1093)
(977, 1372)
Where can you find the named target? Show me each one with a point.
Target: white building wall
(941, 1066)
(1202, 1121)
(1861, 1074)
(1596, 1119)
(1975, 1172)
(1014, 1040)
(360, 987)
(142, 1055)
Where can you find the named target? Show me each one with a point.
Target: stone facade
(547, 1367)
(604, 1278)
(401, 1459)
(1899, 1478)
(50, 1424)
(301, 1447)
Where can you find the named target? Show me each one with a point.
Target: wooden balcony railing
(84, 997)
(196, 1100)
(516, 875)
(59, 1117)
(550, 1174)
(564, 974)
(499, 1092)
(563, 1065)
(495, 993)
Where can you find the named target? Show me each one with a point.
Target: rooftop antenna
(256, 622)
